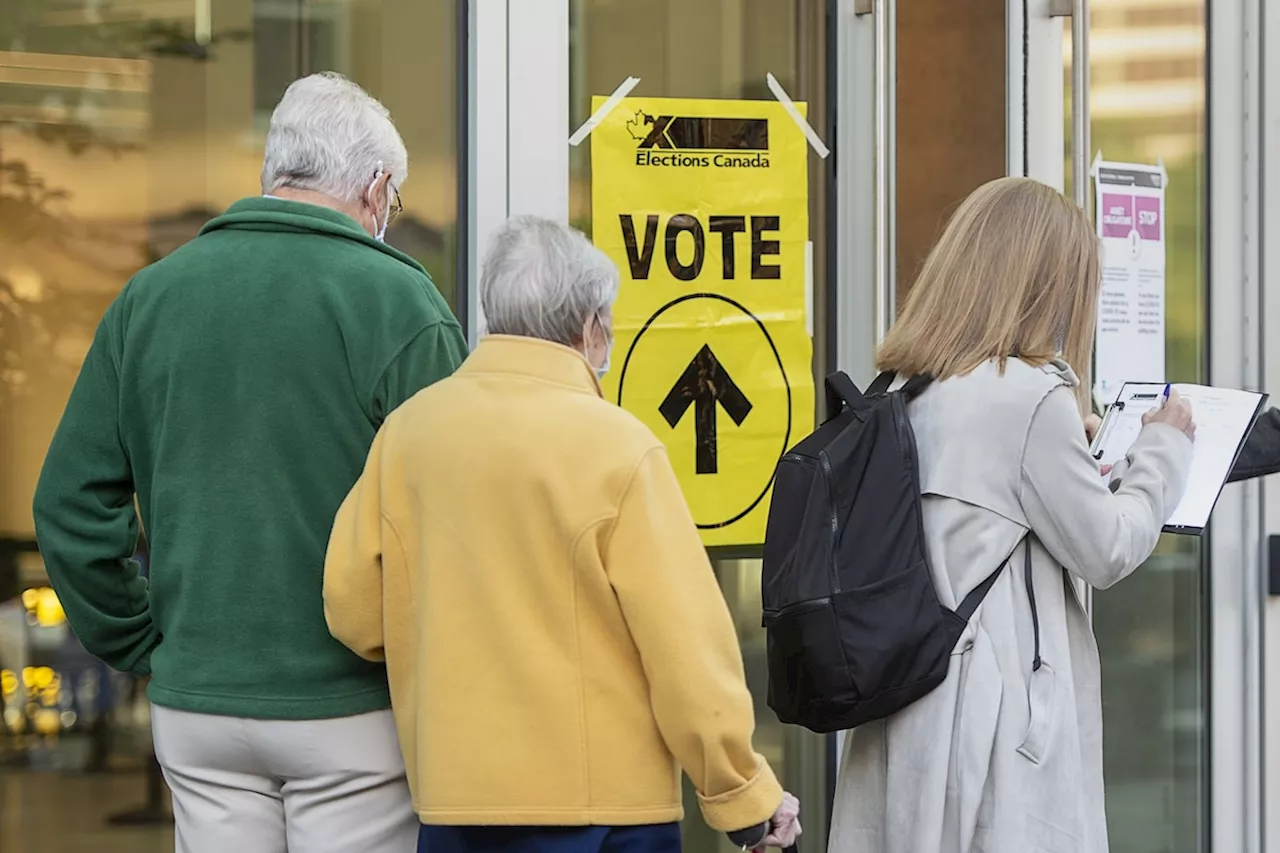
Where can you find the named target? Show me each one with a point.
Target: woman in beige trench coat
(1006, 755)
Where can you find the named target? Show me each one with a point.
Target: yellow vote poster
(704, 206)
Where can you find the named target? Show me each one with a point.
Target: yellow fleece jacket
(519, 552)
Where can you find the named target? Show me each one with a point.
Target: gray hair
(330, 136)
(542, 279)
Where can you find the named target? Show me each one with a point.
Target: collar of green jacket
(261, 213)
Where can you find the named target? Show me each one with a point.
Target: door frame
(1234, 574)
(1233, 617)
(516, 113)
(515, 158)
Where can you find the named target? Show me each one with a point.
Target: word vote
(640, 252)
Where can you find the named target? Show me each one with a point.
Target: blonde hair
(1016, 274)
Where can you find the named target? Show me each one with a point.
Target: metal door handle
(885, 278)
(886, 266)
(1081, 144)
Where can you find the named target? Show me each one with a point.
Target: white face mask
(381, 235)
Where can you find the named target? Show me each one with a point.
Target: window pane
(124, 127)
(121, 134)
(1147, 98)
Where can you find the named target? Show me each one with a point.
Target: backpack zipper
(797, 607)
(828, 477)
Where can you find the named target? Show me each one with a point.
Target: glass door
(1146, 99)
(124, 127)
(723, 49)
(957, 117)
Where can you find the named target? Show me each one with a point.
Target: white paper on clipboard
(1223, 418)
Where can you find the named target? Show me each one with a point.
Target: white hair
(542, 279)
(330, 136)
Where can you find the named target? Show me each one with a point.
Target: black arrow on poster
(703, 384)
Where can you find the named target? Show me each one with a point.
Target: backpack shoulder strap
(971, 601)
(916, 385)
(842, 394)
(910, 389)
(881, 384)
(969, 606)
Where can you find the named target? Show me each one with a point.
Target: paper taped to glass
(704, 206)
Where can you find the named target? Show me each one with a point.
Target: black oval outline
(786, 383)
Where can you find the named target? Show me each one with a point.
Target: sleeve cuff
(142, 669)
(1171, 449)
(139, 665)
(748, 805)
(1163, 437)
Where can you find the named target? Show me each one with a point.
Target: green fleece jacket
(235, 388)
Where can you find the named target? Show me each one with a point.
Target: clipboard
(1224, 418)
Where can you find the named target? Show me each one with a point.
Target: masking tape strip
(809, 132)
(624, 89)
(808, 287)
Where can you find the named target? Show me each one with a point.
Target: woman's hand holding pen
(1175, 411)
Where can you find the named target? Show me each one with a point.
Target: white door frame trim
(518, 116)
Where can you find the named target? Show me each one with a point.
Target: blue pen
(1165, 401)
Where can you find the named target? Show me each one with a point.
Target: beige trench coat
(1001, 759)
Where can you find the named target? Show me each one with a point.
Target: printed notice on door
(704, 206)
(1130, 221)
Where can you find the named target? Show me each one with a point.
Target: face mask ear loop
(608, 348)
(381, 234)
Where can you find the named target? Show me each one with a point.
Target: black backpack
(854, 627)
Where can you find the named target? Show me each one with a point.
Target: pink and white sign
(1130, 340)
(1149, 218)
(1117, 214)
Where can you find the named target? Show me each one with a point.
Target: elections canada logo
(730, 143)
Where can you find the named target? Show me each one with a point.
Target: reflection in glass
(124, 127)
(1147, 98)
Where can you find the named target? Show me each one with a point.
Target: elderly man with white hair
(234, 388)
(519, 551)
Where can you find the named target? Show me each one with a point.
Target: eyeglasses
(396, 206)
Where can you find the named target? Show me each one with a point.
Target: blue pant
(664, 838)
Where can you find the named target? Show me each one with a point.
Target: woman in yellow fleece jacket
(519, 553)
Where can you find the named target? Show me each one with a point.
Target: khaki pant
(268, 786)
